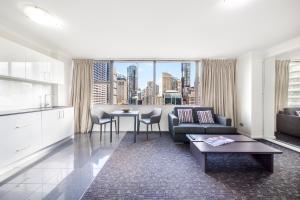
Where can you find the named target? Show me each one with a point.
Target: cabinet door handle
(22, 126)
(58, 117)
(22, 149)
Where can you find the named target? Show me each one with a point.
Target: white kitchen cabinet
(21, 136)
(12, 57)
(26, 133)
(56, 125)
(17, 61)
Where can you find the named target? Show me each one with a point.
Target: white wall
(249, 94)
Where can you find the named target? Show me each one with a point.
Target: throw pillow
(185, 115)
(205, 117)
(298, 113)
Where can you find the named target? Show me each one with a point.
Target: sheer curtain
(218, 86)
(81, 93)
(281, 84)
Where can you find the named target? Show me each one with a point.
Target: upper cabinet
(17, 61)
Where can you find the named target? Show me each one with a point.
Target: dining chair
(150, 118)
(101, 118)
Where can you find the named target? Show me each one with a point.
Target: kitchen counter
(30, 110)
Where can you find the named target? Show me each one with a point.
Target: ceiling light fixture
(235, 3)
(42, 17)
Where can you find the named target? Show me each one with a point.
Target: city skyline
(145, 71)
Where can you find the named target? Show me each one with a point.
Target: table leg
(111, 129)
(118, 124)
(134, 129)
(200, 157)
(266, 160)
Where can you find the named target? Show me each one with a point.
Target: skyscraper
(101, 73)
(294, 85)
(132, 81)
(122, 89)
(186, 74)
(169, 82)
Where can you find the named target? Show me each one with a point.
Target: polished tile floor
(65, 173)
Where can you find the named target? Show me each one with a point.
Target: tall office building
(294, 85)
(186, 74)
(150, 92)
(132, 81)
(169, 82)
(122, 91)
(101, 89)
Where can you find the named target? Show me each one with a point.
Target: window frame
(154, 79)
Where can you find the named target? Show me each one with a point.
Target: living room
(150, 99)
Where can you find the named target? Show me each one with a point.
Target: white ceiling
(157, 28)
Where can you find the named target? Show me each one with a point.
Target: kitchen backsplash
(22, 95)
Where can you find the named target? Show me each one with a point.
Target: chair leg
(100, 131)
(91, 131)
(138, 128)
(159, 129)
(147, 131)
(116, 128)
(151, 129)
(104, 128)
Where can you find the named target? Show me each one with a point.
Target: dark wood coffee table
(264, 154)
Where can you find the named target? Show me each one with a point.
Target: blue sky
(145, 71)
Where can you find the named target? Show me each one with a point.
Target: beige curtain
(218, 87)
(81, 93)
(281, 84)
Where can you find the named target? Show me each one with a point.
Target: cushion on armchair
(205, 117)
(185, 116)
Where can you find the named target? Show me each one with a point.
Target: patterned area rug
(161, 169)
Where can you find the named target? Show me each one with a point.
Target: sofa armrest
(173, 120)
(223, 120)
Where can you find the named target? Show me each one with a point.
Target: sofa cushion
(196, 109)
(291, 111)
(220, 129)
(185, 115)
(205, 117)
(187, 128)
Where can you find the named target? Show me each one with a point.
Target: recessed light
(42, 16)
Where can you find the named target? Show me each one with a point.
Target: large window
(144, 82)
(294, 85)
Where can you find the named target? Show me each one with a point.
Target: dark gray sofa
(288, 122)
(179, 130)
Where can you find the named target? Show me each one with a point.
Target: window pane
(294, 85)
(175, 82)
(134, 82)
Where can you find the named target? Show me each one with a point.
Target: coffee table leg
(200, 157)
(266, 160)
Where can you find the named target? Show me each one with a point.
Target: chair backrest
(156, 115)
(96, 114)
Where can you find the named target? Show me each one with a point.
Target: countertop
(30, 110)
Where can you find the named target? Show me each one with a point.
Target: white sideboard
(26, 133)
(19, 62)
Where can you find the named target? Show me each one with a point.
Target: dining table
(120, 113)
